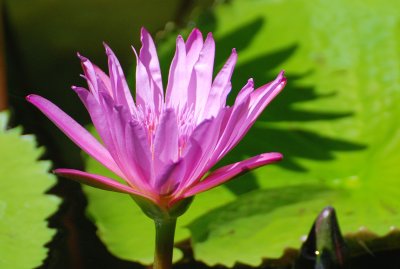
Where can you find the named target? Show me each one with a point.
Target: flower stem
(165, 231)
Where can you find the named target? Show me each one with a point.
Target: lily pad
(336, 123)
(24, 205)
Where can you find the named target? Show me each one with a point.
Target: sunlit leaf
(336, 123)
(24, 206)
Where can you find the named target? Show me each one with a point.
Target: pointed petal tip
(81, 57)
(28, 97)
(196, 32)
(210, 39)
(282, 74)
(107, 48)
(135, 52)
(272, 156)
(35, 99)
(144, 31)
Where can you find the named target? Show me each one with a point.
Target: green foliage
(336, 123)
(24, 206)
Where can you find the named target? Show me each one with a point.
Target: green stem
(165, 231)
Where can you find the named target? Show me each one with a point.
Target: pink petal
(75, 132)
(176, 94)
(194, 44)
(166, 180)
(138, 152)
(193, 153)
(236, 117)
(103, 80)
(231, 171)
(90, 75)
(255, 102)
(220, 87)
(245, 92)
(149, 58)
(97, 80)
(259, 99)
(100, 182)
(166, 140)
(201, 78)
(262, 96)
(110, 122)
(120, 89)
(134, 164)
(200, 149)
(97, 115)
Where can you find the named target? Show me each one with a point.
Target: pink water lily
(163, 146)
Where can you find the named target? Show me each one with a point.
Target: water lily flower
(163, 144)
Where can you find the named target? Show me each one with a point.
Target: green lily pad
(336, 123)
(24, 206)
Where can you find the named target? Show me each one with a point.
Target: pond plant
(163, 145)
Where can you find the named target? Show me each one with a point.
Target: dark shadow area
(246, 33)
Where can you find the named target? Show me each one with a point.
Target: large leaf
(24, 206)
(336, 123)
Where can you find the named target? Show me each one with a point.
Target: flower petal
(220, 87)
(262, 96)
(96, 112)
(176, 94)
(245, 92)
(236, 116)
(144, 91)
(228, 172)
(166, 140)
(90, 75)
(201, 77)
(135, 165)
(166, 181)
(138, 152)
(200, 148)
(194, 44)
(79, 135)
(100, 182)
(119, 86)
(248, 106)
(148, 56)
